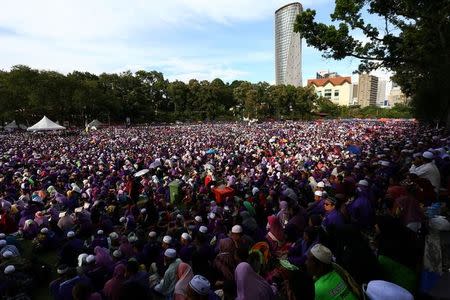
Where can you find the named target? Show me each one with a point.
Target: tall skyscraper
(381, 93)
(367, 90)
(288, 47)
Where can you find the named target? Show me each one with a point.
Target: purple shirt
(333, 217)
(361, 212)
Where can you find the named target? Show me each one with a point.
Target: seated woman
(275, 235)
(225, 262)
(250, 285)
(184, 276)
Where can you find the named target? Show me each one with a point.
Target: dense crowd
(282, 210)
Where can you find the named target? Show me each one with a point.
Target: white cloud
(86, 20)
(113, 36)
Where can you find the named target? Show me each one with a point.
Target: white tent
(11, 126)
(45, 124)
(95, 123)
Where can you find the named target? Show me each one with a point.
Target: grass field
(49, 258)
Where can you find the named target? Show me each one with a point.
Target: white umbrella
(141, 172)
(209, 167)
(155, 164)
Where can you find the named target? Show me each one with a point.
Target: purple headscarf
(102, 257)
(250, 285)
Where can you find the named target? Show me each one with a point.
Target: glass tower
(288, 47)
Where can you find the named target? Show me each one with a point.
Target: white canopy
(95, 123)
(45, 124)
(11, 126)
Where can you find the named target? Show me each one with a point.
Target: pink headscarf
(112, 287)
(184, 275)
(275, 228)
(250, 285)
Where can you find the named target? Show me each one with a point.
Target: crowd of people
(283, 210)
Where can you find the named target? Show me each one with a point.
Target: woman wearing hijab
(250, 285)
(275, 235)
(126, 248)
(112, 287)
(283, 214)
(103, 258)
(184, 275)
(30, 229)
(225, 261)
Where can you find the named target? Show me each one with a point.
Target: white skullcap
(384, 290)
(186, 236)
(198, 219)
(167, 239)
(113, 236)
(62, 269)
(90, 258)
(100, 232)
(203, 229)
(10, 269)
(321, 184)
(117, 253)
(132, 239)
(171, 253)
(143, 211)
(318, 193)
(2, 243)
(2, 236)
(70, 234)
(322, 253)
(212, 215)
(226, 208)
(7, 254)
(122, 220)
(152, 234)
(385, 163)
(236, 229)
(428, 155)
(82, 258)
(363, 182)
(44, 230)
(255, 190)
(200, 285)
(179, 216)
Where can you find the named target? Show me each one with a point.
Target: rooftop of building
(293, 3)
(333, 80)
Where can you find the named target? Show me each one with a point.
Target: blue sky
(184, 39)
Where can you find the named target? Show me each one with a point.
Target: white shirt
(428, 171)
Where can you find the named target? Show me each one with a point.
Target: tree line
(27, 94)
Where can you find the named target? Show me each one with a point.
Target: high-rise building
(396, 95)
(367, 90)
(288, 47)
(381, 92)
(354, 100)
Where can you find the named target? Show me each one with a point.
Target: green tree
(178, 92)
(413, 43)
